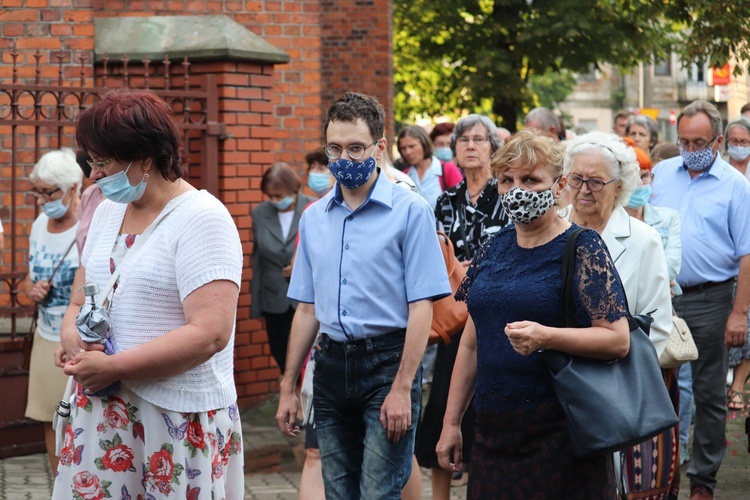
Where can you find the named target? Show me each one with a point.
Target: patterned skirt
(650, 470)
(124, 447)
(528, 454)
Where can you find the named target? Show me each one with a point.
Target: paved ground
(273, 470)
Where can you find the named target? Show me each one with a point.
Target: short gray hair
(649, 124)
(741, 122)
(544, 117)
(619, 158)
(469, 121)
(706, 108)
(58, 168)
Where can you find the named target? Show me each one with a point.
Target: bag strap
(54, 271)
(136, 245)
(442, 175)
(449, 253)
(567, 304)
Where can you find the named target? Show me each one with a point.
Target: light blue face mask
(55, 209)
(640, 196)
(738, 153)
(283, 203)
(319, 182)
(444, 154)
(117, 187)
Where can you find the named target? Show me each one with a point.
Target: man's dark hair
(352, 106)
(745, 108)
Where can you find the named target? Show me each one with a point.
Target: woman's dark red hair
(133, 125)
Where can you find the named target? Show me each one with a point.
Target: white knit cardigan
(193, 245)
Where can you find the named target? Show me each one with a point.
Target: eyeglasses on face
(645, 177)
(735, 143)
(478, 140)
(101, 165)
(594, 185)
(355, 151)
(696, 145)
(43, 195)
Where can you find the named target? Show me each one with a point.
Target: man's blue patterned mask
(352, 174)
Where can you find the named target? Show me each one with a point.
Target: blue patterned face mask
(352, 174)
(697, 161)
(640, 196)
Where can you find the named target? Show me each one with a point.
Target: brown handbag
(448, 315)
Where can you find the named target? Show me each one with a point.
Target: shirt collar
(380, 192)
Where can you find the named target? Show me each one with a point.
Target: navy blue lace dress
(522, 448)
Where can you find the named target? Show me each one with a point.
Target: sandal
(736, 401)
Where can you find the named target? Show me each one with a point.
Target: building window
(663, 67)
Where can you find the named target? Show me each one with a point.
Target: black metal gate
(37, 117)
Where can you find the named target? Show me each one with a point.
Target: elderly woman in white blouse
(602, 174)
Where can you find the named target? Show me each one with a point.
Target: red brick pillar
(246, 96)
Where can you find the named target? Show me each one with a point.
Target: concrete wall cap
(200, 38)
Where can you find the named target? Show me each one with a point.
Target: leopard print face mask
(524, 206)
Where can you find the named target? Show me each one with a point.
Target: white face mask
(738, 153)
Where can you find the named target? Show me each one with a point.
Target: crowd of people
(492, 409)
(346, 268)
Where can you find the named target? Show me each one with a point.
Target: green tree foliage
(452, 56)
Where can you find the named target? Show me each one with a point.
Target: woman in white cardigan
(602, 174)
(171, 427)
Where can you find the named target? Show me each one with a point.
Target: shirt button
(349, 218)
(343, 313)
(346, 247)
(343, 281)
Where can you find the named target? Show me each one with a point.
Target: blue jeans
(351, 382)
(685, 381)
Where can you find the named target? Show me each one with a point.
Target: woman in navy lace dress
(522, 447)
(468, 213)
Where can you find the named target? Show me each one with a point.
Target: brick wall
(273, 114)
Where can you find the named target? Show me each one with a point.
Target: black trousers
(278, 327)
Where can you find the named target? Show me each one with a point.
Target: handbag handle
(449, 253)
(136, 245)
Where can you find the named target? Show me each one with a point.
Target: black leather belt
(705, 286)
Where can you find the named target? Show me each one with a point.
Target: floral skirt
(124, 447)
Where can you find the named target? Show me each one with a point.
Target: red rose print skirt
(124, 447)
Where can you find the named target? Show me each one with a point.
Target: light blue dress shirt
(429, 186)
(714, 213)
(362, 268)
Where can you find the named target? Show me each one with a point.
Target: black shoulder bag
(610, 405)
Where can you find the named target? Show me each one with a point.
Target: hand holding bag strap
(28, 341)
(171, 205)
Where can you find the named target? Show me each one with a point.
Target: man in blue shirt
(713, 200)
(367, 269)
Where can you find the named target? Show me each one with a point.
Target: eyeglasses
(477, 140)
(594, 185)
(696, 145)
(355, 151)
(735, 143)
(647, 176)
(99, 164)
(44, 195)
